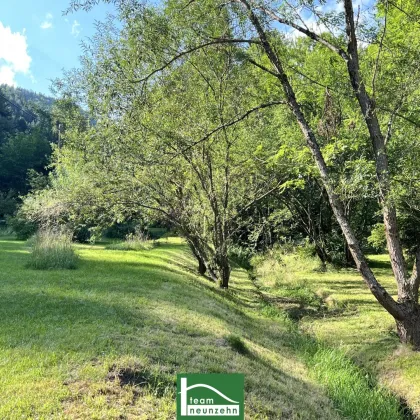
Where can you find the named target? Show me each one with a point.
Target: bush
(22, 228)
(133, 242)
(52, 250)
(4, 229)
(82, 234)
(377, 238)
(8, 203)
(241, 256)
(121, 230)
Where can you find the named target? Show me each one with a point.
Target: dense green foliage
(241, 127)
(26, 134)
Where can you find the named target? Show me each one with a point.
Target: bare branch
(305, 31)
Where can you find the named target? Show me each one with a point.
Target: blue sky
(37, 41)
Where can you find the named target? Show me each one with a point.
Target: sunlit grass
(52, 249)
(350, 320)
(67, 337)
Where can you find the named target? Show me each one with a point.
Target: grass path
(350, 320)
(105, 341)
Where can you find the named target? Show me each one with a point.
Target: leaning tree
(383, 85)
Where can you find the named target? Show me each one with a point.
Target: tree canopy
(248, 120)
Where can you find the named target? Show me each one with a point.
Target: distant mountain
(24, 102)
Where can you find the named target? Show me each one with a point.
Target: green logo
(210, 395)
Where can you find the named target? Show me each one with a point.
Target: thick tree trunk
(409, 327)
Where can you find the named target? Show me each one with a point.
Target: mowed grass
(105, 341)
(339, 310)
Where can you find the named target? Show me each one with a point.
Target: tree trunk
(406, 311)
(224, 270)
(409, 327)
(204, 265)
(201, 267)
(380, 293)
(201, 264)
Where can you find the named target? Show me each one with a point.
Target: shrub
(121, 230)
(377, 238)
(52, 249)
(82, 234)
(241, 256)
(22, 228)
(133, 242)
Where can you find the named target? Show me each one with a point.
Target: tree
(181, 148)
(5, 118)
(258, 29)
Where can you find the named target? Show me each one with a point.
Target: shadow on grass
(111, 309)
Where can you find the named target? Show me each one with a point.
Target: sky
(37, 41)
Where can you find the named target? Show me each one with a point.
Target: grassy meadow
(105, 341)
(338, 309)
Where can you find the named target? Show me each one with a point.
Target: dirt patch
(159, 383)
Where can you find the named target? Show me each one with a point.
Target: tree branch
(305, 31)
(231, 122)
(193, 49)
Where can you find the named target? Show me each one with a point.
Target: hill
(27, 98)
(106, 341)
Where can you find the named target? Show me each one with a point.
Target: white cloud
(7, 76)
(14, 57)
(75, 31)
(47, 23)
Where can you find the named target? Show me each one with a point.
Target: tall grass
(133, 242)
(353, 391)
(280, 271)
(52, 249)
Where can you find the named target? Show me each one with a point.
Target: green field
(338, 309)
(105, 341)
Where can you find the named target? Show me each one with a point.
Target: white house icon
(184, 401)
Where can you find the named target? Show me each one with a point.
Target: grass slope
(105, 341)
(340, 311)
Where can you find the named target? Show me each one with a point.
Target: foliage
(241, 256)
(377, 237)
(202, 113)
(133, 242)
(25, 136)
(21, 226)
(52, 249)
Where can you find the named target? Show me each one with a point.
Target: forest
(253, 165)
